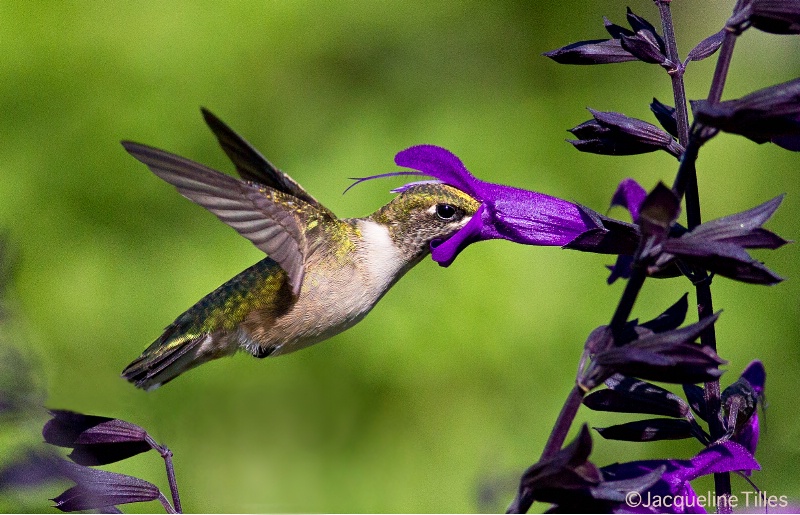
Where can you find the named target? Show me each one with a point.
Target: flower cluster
(98, 441)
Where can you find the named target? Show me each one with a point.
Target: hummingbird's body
(322, 276)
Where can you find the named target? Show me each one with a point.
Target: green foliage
(440, 393)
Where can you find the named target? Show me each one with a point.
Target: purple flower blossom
(675, 481)
(509, 213)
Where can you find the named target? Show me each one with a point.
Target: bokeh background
(446, 392)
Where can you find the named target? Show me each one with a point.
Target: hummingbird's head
(423, 213)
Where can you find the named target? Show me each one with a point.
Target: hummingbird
(322, 274)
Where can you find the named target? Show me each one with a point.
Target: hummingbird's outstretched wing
(273, 220)
(251, 165)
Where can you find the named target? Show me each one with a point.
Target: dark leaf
(96, 489)
(599, 51)
(696, 397)
(629, 395)
(66, 426)
(648, 430)
(621, 269)
(707, 47)
(666, 116)
(789, 142)
(758, 239)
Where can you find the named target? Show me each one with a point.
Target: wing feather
(272, 220)
(251, 165)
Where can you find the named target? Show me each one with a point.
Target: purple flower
(675, 480)
(509, 213)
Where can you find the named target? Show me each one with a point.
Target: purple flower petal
(439, 163)
(445, 252)
(629, 195)
(513, 214)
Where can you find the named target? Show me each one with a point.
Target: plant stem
(173, 484)
(165, 503)
(686, 183)
(625, 306)
(676, 74)
(522, 502)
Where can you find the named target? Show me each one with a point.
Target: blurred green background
(441, 397)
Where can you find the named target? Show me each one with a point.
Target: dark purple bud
(563, 477)
(616, 134)
(95, 440)
(645, 50)
(666, 116)
(644, 29)
(616, 31)
(770, 114)
(97, 489)
(648, 430)
(598, 51)
(707, 47)
(629, 395)
(667, 357)
(773, 16)
(696, 397)
(643, 42)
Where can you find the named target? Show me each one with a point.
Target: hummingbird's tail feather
(172, 355)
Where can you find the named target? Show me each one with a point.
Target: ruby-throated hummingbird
(323, 273)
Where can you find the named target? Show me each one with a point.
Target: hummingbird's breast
(339, 288)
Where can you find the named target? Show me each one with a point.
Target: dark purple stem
(676, 73)
(522, 502)
(686, 183)
(173, 484)
(164, 502)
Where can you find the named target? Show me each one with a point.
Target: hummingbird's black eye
(446, 212)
